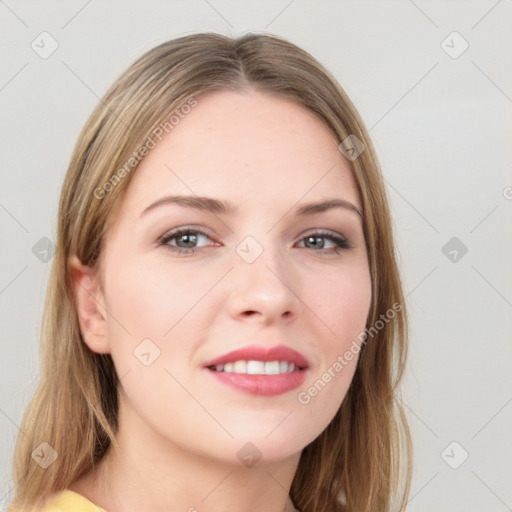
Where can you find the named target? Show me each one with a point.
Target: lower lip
(262, 385)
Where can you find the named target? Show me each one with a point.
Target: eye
(317, 241)
(186, 240)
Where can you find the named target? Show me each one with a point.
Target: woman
(225, 325)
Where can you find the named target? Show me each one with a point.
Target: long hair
(361, 462)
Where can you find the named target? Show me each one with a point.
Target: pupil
(313, 238)
(188, 239)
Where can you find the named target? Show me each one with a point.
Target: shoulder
(70, 501)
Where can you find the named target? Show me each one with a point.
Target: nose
(263, 291)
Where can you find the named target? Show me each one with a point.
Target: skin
(180, 429)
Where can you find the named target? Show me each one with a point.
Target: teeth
(257, 367)
(271, 368)
(240, 367)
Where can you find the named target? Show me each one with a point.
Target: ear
(90, 305)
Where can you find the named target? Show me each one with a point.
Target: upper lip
(259, 353)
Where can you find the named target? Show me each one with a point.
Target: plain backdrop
(433, 83)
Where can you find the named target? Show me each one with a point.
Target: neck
(150, 474)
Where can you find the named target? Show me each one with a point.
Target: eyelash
(340, 242)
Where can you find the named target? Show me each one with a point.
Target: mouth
(254, 367)
(260, 371)
(258, 360)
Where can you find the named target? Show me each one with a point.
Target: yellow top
(70, 501)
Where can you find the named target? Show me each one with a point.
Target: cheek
(341, 301)
(150, 300)
(168, 305)
(342, 304)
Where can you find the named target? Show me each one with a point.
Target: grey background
(442, 128)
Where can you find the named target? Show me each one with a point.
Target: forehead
(247, 148)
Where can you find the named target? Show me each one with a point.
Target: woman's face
(258, 274)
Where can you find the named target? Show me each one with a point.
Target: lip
(262, 385)
(259, 353)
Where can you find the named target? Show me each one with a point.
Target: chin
(270, 445)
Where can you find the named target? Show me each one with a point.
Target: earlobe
(90, 305)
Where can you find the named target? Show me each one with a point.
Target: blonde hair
(362, 461)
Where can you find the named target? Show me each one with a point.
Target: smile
(253, 367)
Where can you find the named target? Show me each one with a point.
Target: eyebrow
(220, 207)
